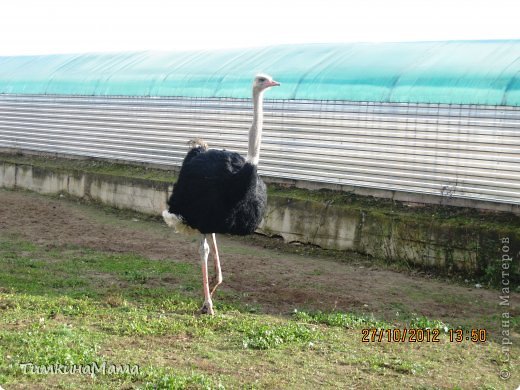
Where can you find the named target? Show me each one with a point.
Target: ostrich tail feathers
(171, 220)
(198, 143)
(177, 224)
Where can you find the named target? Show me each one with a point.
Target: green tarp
(458, 72)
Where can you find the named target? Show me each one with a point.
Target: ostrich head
(262, 82)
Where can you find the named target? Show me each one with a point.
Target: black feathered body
(218, 192)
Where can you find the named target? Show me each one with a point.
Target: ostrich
(220, 192)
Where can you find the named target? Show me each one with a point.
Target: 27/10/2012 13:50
(422, 335)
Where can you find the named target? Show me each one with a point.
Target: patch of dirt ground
(277, 281)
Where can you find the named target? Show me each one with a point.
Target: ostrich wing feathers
(218, 192)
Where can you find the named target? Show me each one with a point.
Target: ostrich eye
(262, 79)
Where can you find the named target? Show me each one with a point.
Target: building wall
(429, 152)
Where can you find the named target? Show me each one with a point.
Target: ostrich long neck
(255, 133)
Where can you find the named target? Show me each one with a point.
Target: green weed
(269, 336)
(345, 320)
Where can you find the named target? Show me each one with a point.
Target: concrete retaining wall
(379, 235)
(137, 194)
(467, 247)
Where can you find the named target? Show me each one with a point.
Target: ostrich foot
(207, 308)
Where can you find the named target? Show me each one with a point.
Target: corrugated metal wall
(464, 151)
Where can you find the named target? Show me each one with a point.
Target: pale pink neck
(255, 133)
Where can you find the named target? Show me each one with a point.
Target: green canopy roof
(459, 72)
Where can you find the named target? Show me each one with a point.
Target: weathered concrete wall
(461, 246)
(379, 235)
(465, 247)
(137, 194)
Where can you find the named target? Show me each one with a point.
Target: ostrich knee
(204, 249)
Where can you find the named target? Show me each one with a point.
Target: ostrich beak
(273, 83)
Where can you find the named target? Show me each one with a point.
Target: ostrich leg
(218, 271)
(207, 307)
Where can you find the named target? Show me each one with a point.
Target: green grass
(93, 166)
(73, 305)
